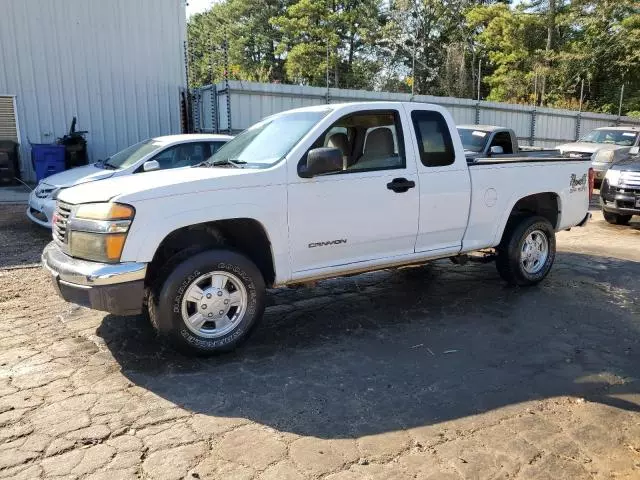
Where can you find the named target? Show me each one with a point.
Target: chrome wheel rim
(535, 251)
(214, 304)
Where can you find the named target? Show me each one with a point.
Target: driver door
(356, 215)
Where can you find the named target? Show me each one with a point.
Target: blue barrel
(47, 159)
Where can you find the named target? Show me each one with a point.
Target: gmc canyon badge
(326, 244)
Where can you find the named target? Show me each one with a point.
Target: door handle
(400, 185)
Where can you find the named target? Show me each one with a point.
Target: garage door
(8, 124)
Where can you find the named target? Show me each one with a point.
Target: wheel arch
(245, 235)
(545, 204)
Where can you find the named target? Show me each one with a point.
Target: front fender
(156, 219)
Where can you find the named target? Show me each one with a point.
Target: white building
(116, 65)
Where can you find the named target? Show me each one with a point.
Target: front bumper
(114, 288)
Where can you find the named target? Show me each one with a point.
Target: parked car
(158, 153)
(481, 141)
(303, 195)
(606, 144)
(620, 191)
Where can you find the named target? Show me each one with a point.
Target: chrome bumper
(118, 288)
(86, 273)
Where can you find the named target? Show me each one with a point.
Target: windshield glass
(617, 137)
(473, 140)
(130, 155)
(266, 142)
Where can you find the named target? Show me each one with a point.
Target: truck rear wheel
(616, 218)
(209, 303)
(527, 251)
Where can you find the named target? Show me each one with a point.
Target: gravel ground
(438, 372)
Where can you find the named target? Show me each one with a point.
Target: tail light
(592, 179)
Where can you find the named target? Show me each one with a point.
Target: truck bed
(542, 157)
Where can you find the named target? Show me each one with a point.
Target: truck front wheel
(527, 251)
(209, 303)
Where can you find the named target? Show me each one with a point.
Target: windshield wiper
(104, 163)
(233, 162)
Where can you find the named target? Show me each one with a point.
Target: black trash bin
(75, 147)
(9, 161)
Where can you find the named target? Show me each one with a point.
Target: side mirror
(634, 151)
(496, 150)
(150, 165)
(320, 161)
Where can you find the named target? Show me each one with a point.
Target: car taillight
(592, 179)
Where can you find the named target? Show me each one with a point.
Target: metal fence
(235, 106)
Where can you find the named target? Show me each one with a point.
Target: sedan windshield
(268, 141)
(130, 155)
(473, 140)
(625, 138)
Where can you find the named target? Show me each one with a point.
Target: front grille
(630, 179)
(60, 219)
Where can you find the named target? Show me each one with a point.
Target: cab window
(367, 140)
(433, 137)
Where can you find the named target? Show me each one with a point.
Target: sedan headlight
(97, 231)
(613, 177)
(56, 192)
(605, 156)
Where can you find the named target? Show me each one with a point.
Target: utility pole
(225, 48)
(579, 116)
(327, 73)
(581, 95)
(479, 76)
(620, 105)
(414, 15)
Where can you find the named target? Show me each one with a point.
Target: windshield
(266, 142)
(625, 138)
(130, 155)
(473, 140)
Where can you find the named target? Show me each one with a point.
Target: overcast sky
(197, 6)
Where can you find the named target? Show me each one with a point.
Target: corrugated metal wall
(251, 101)
(117, 65)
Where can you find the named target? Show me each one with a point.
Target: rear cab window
(434, 139)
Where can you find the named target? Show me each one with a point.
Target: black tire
(509, 252)
(165, 300)
(616, 218)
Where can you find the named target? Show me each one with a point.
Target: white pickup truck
(304, 195)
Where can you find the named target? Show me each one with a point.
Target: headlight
(97, 231)
(604, 156)
(54, 195)
(613, 177)
(105, 211)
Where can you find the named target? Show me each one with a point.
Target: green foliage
(537, 52)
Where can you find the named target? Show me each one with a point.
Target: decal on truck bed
(329, 243)
(577, 184)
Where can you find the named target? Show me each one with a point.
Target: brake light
(592, 179)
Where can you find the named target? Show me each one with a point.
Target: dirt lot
(440, 372)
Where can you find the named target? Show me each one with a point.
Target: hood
(630, 165)
(78, 175)
(587, 147)
(164, 183)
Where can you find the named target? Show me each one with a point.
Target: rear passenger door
(445, 186)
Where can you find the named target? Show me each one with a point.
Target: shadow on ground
(392, 350)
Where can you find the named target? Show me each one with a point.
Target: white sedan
(159, 153)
